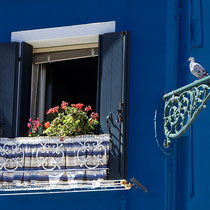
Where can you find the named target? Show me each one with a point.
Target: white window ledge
(68, 35)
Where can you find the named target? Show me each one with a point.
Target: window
(58, 75)
(109, 91)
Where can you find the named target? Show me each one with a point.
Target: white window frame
(64, 38)
(61, 36)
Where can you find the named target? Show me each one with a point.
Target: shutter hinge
(119, 113)
(123, 33)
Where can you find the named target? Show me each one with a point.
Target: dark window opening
(73, 81)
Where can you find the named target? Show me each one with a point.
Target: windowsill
(86, 186)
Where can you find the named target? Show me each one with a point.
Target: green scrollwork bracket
(182, 107)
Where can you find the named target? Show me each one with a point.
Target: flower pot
(48, 160)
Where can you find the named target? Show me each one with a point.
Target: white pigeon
(197, 70)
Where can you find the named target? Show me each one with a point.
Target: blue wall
(193, 150)
(146, 20)
(154, 54)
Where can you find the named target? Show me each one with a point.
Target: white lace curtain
(38, 90)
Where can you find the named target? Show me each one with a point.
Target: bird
(197, 69)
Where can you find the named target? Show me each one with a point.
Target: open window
(96, 75)
(69, 75)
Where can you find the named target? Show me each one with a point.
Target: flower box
(53, 161)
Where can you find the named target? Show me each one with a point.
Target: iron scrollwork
(55, 159)
(50, 155)
(11, 156)
(91, 161)
(182, 109)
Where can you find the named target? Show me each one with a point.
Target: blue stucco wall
(153, 55)
(147, 75)
(193, 150)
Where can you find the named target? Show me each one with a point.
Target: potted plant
(65, 121)
(64, 149)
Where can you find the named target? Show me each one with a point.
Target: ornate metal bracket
(182, 107)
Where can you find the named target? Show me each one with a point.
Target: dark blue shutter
(14, 88)
(24, 88)
(8, 88)
(113, 97)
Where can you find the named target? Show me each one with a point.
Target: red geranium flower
(94, 116)
(88, 108)
(53, 110)
(49, 111)
(64, 104)
(73, 105)
(79, 106)
(47, 125)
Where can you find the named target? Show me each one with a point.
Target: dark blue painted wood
(24, 88)
(8, 87)
(113, 97)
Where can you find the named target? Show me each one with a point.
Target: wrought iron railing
(182, 107)
(46, 165)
